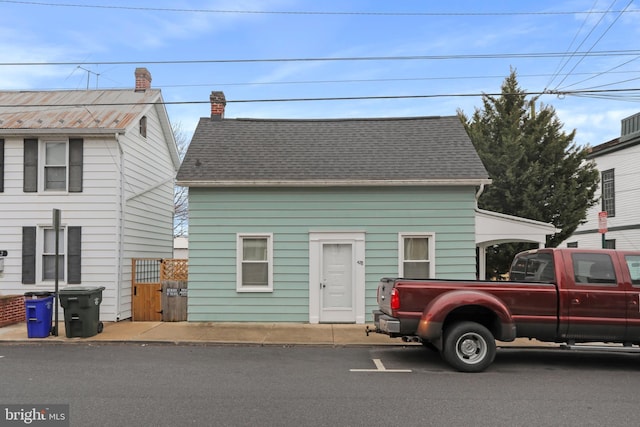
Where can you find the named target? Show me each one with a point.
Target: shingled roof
(328, 152)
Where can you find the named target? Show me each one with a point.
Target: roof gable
(247, 152)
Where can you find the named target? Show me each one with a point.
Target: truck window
(593, 269)
(536, 267)
(633, 261)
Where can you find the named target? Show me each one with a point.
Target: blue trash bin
(39, 313)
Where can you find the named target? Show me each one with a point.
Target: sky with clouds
(430, 58)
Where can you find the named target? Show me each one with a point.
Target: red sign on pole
(602, 222)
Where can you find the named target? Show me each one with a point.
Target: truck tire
(468, 347)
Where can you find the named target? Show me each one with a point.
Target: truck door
(596, 302)
(632, 261)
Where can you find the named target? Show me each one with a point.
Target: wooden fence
(159, 289)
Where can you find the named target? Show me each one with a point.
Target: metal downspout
(120, 236)
(482, 249)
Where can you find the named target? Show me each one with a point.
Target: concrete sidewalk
(211, 332)
(229, 333)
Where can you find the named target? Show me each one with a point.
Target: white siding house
(107, 160)
(619, 193)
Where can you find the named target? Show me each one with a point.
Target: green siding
(216, 215)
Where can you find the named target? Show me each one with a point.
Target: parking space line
(380, 368)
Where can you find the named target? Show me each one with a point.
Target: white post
(482, 262)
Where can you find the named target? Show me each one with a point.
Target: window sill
(255, 290)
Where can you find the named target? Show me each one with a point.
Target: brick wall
(11, 309)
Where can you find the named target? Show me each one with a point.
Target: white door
(336, 277)
(336, 283)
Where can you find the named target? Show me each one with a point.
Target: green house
(297, 220)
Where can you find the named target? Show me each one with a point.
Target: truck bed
(534, 306)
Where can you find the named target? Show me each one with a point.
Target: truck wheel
(468, 347)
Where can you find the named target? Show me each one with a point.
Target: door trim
(357, 239)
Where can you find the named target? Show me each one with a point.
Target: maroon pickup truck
(554, 295)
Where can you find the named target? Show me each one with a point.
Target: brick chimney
(218, 102)
(143, 79)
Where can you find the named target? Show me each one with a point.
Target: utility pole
(56, 231)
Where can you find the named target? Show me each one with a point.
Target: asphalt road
(168, 385)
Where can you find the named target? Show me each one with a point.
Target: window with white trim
(1, 165)
(254, 268)
(416, 255)
(39, 253)
(143, 126)
(608, 192)
(49, 254)
(55, 166)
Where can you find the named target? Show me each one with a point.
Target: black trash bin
(81, 310)
(39, 313)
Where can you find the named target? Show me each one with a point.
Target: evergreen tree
(537, 169)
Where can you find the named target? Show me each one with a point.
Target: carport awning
(493, 228)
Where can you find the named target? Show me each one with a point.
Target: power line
(566, 60)
(263, 12)
(607, 53)
(396, 79)
(595, 92)
(611, 84)
(390, 79)
(596, 42)
(635, 98)
(609, 71)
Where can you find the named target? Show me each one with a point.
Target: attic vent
(630, 127)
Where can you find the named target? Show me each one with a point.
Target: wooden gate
(147, 277)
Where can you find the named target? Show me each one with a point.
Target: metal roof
(113, 109)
